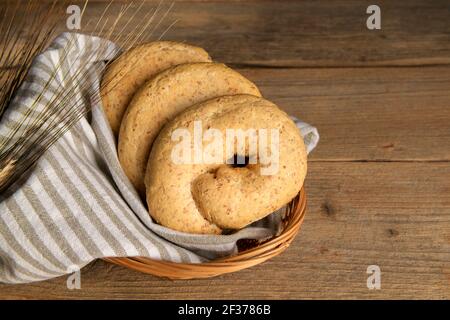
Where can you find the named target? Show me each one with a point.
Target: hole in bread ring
(239, 161)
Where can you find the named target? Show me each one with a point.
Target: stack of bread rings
(154, 89)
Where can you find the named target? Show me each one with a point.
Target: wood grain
(398, 219)
(295, 33)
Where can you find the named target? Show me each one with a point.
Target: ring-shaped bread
(133, 68)
(161, 99)
(211, 195)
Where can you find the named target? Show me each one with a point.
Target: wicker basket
(255, 253)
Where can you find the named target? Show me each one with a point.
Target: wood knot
(323, 250)
(392, 232)
(388, 146)
(328, 209)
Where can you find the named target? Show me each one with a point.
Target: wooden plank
(311, 33)
(298, 33)
(398, 219)
(367, 114)
(376, 114)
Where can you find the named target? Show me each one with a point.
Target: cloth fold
(77, 205)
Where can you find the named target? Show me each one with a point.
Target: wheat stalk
(32, 135)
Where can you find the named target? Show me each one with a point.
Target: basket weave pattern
(295, 213)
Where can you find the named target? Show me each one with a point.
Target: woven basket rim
(295, 214)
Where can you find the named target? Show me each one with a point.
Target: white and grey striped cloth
(77, 205)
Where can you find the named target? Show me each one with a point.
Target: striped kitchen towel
(77, 205)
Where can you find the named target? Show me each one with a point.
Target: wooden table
(378, 184)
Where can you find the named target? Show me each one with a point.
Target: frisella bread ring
(133, 68)
(193, 183)
(161, 99)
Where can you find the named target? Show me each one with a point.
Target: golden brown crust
(134, 67)
(161, 99)
(206, 198)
